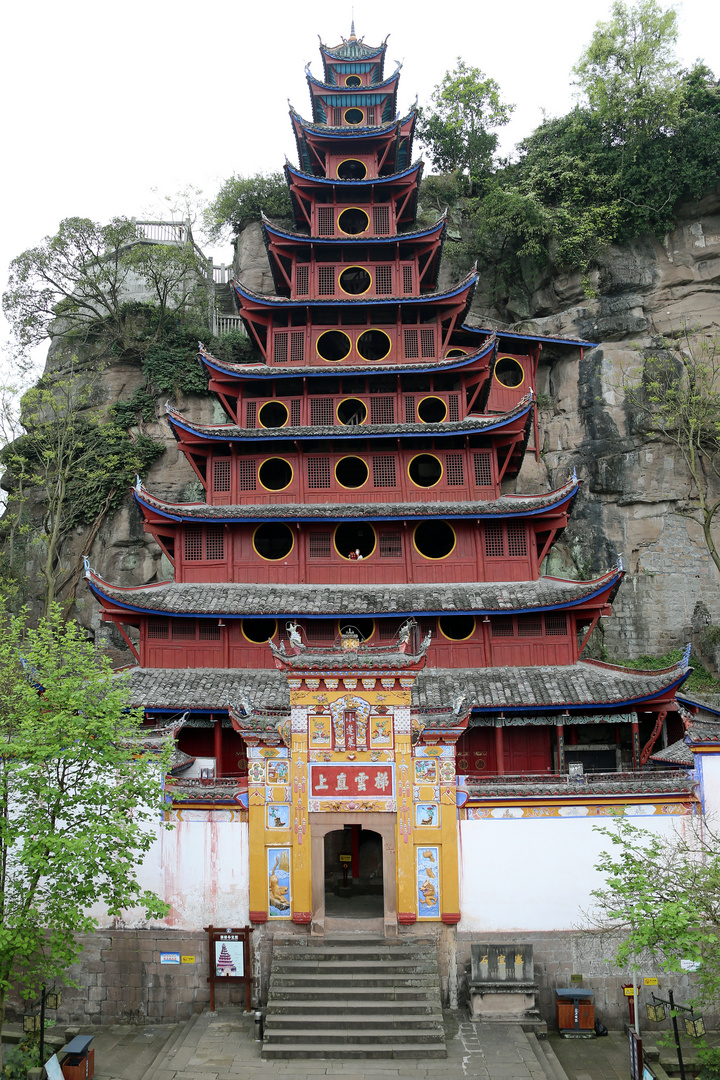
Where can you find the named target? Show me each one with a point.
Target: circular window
(351, 169)
(275, 473)
(351, 472)
(354, 116)
(353, 80)
(353, 221)
(273, 540)
(434, 539)
(373, 345)
(509, 372)
(425, 470)
(351, 411)
(333, 345)
(355, 280)
(355, 541)
(452, 353)
(259, 630)
(364, 627)
(457, 627)
(432, 410)
(273, 414)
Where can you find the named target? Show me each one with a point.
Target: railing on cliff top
(666, 780)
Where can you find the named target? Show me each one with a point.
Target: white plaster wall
(707, 768)
(535, 873)
(200, 867)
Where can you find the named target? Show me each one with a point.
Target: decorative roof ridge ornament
(138, 483)
(685, 661)
(86, 568)
(573, 477)
(619, 563)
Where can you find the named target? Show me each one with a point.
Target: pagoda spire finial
(352, 25)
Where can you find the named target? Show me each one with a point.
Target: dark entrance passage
(357, 891)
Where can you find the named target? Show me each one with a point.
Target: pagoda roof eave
(427, 233)
(372, 88)
(574, 688)
(370, 181)
(369, 131)
(507, 506)
(231, 433)
(235, 600)
(499, 333)
(270, 371)
(359, 51)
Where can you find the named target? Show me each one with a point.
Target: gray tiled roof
(226, 598)
(298, 370)
(639, 784)
(678, 753)
(466, 283)
(505, 506)
(498, 688)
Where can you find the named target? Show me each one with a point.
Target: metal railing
(586, 778)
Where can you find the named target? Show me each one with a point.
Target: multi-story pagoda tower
(359, 517)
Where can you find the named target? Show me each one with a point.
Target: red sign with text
(348, 781)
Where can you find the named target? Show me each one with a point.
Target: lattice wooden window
(221, 474)
(411, 343)
(407, 272)
(295, 412)
(370, 115)
(483, 469)
(454, 471)
(390, 545)
(529, 625)
(410, 417)
(382, 410)
(494, 540)
(556, 624)
(428, 626)
(381, 220)
(280, 347)
(320, 631)
(183, 629)
(427, 341)
(158, 628)
(318, 469)
(383, 280)
(247, 475)
(336, 117)
(209, 630)
(326, 220)
(388, 629)
(322, 413)
(193, 543)
(302, 280)
(250, 414)
(517, 539)
(502, 627)
(383, 467)
(326, 280)
(453, 407)
(319, 545)
(297, 345)
(215, 542)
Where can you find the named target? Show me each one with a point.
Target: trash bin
(576, 1013)
(78, 1058)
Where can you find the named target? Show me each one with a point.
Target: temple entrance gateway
(353, 873)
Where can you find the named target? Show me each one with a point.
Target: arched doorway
(353, 866)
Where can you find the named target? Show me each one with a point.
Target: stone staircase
(354, 997)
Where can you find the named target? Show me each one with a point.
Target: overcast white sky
(103, 103)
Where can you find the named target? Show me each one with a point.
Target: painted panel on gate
(426, 771)
(278, 772)
(278, 816)
(279, 897)
(428, 882)
(346, 781)
(319, 731)
(381, 730)
(427, 815)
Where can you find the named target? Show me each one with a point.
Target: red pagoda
(365, 477)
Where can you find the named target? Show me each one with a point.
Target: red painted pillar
(355, 849)
(636, 745)
(499, 749)
(218, 748)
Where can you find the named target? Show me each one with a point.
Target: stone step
(349, 1035)
(400, 967)
(345, 955)
(321, 980)
(349, 1019)
(331, 1006)
(356, 1050)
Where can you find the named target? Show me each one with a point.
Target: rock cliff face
(631, 486)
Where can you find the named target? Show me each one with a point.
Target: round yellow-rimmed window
(425, 470)
(355, 280)
(431, 410)
(273, 541)
(353, 80)
(365, 627)
(333, 345)
(273, 414)
(434, 540)
(275, 474)
(355, 542)
(351, 169)
(351, 472)
(354, 116)
(258, 631)
(351, 411)
(509, 372)
(353, 220)
(457, 627)
(373, 344)
(455, 352)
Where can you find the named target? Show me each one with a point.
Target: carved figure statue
(429, 894)
(293, 634)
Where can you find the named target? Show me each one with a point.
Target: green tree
(629, 70)
(458, 126)
(243, 199)
(79, 807)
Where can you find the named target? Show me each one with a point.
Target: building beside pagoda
(359, 635)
